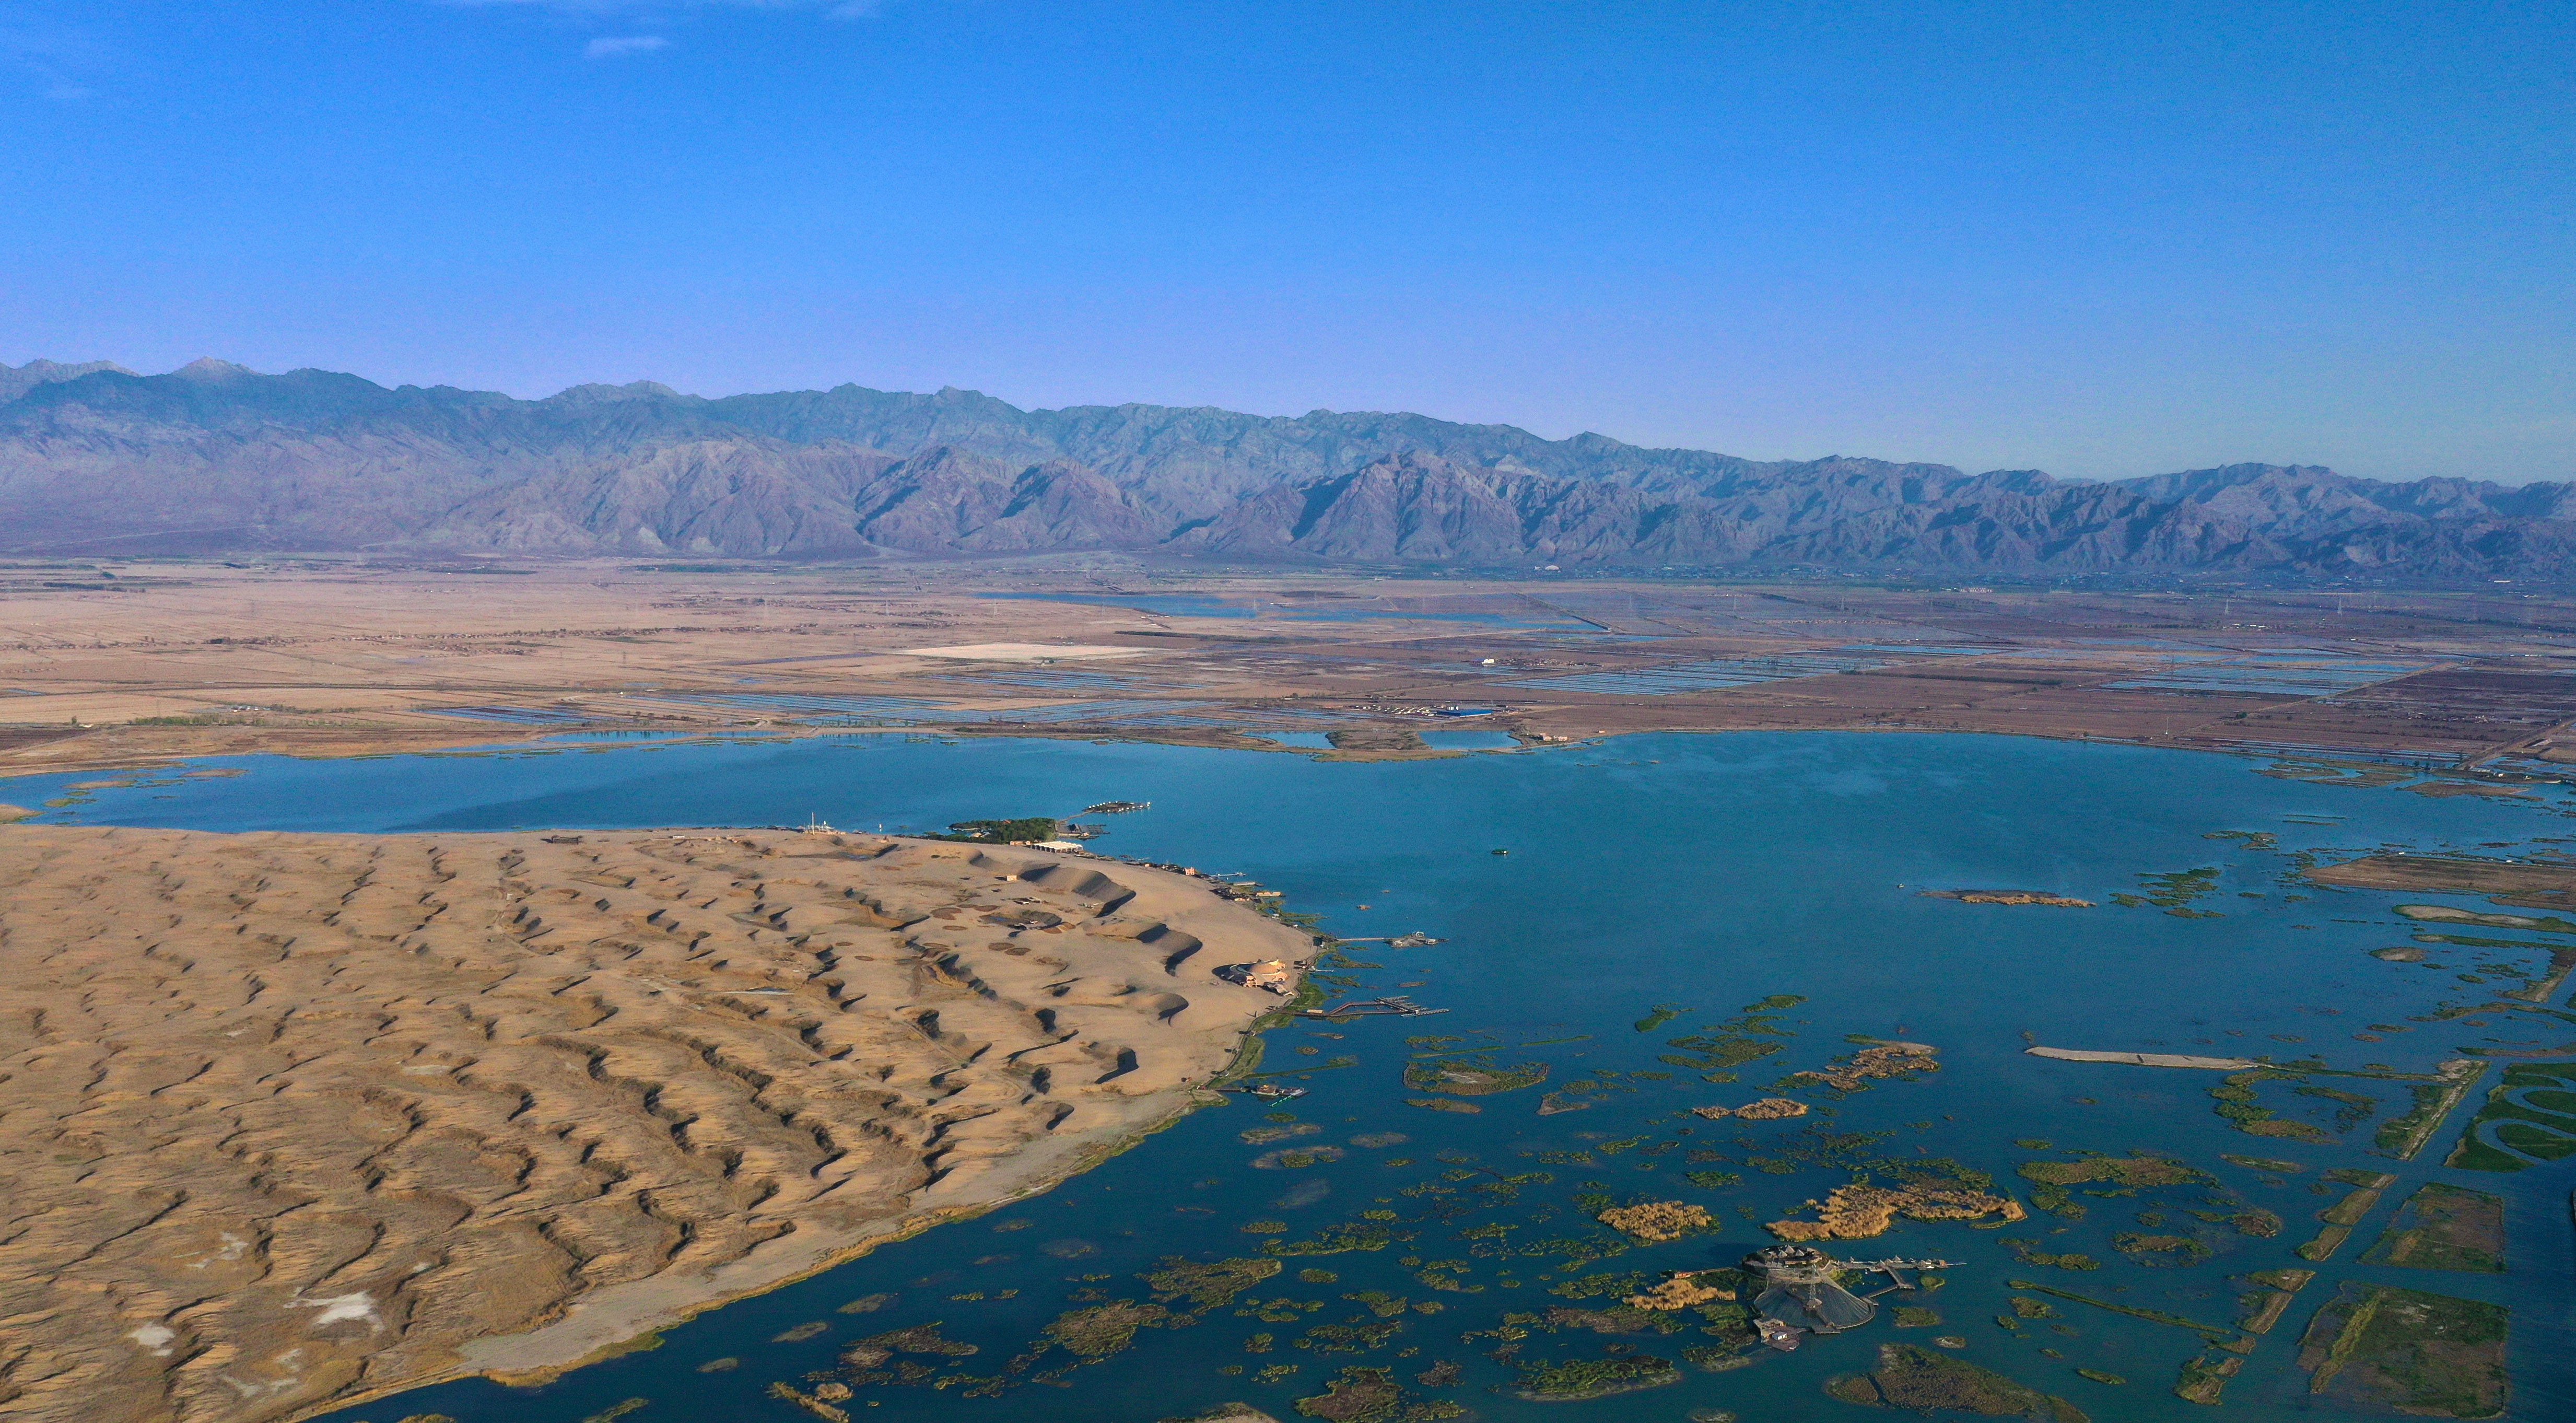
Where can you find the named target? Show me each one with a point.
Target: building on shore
(1802, 1288)
(1272, 975)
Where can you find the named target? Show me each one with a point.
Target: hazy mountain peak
(16, 381)
(207, 368)
(601, 393)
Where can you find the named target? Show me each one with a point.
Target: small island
(1585, 1379)
(2008, 896)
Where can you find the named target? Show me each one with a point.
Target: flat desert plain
(131, 666)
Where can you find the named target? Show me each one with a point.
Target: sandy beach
(294, 1120)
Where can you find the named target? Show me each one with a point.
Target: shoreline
(340, 746)
(541, 1355)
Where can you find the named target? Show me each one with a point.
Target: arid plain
(133, 663)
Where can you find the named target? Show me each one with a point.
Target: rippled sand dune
(290, 1119)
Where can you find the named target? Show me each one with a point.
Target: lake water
(1302, 740)
(1702, 873)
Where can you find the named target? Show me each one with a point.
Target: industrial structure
(1803, 1291)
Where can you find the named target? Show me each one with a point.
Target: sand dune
(287, 1120)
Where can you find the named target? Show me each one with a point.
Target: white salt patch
(155, 1337)
(342, 1309)
(233, 1248)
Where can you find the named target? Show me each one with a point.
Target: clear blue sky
(2096, 237)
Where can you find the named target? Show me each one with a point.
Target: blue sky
(2096, 238)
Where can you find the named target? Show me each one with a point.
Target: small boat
(1272, 1092)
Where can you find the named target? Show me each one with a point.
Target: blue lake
(1702, 873)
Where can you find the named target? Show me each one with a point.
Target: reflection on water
(1682, 923)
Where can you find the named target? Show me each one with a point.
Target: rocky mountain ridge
(214, 457)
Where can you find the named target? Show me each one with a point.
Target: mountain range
(213, 458)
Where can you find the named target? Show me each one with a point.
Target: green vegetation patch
(2522, 1131)
(874, 1360)
(1918, 1379)
(1617, 1319)
(1460, 1079)
(2376, 1346)
(1340, 1239)
(2174, 891)
(1207, 1286)
(2236, 1102)
(1362, 1395)
(1104, 1329)
(2351, 1108)
(1580, 1379)
(2248, 1220)
(2136, 1169)
(2160, 1249)
(1441, 1104)
(1002, 832)
(2402, 1137)
(1752, 1033)
(2028, 1253)
(1620, 1285)
(2444, 1228)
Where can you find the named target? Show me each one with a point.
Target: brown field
(2530, 884)
(326, 657)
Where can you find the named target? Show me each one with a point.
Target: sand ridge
(287, 1120)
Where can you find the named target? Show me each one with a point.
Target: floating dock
(1890, 1268)
(1389, 1007)
(1269, 1092)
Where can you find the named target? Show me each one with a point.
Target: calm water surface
(1702, 873)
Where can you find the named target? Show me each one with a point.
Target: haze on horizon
(2103, 241)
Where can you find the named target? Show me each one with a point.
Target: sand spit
(291, 1120)
(2144, 1059)
(2524, 883)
